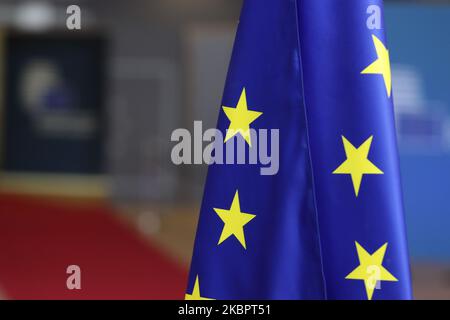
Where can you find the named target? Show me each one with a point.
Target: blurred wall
(154, 87)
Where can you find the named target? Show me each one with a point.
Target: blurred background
(85, 122)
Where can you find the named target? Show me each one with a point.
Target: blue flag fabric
(329, 224)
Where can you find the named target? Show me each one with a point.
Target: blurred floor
(431, 281)
(2, 294)
(41, 237)
(171, 227)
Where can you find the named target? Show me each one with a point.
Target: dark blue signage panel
(53, 109)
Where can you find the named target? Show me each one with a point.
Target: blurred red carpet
(39, 238)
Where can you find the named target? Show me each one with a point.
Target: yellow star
(357, 163)
(234, 221)
(370, 269)
(195, 295)
(381, 65)
(240, 119)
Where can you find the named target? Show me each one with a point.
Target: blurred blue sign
(420, 55)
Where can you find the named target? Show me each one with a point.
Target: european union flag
(328, 224)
